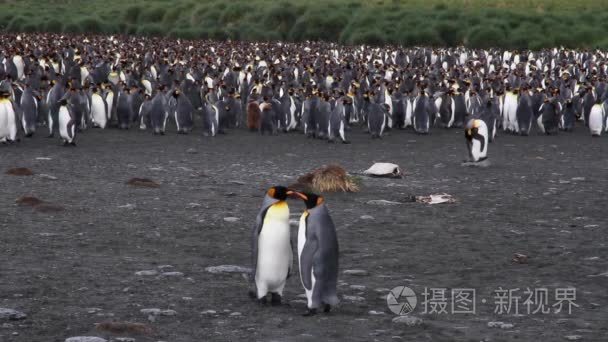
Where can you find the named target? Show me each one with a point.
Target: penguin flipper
(481, 139)
(255, 234)
(291, 263)
(306, 262)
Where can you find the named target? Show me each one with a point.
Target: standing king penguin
(476, 133)
(8, 119)
(318, 254)
(271, 252)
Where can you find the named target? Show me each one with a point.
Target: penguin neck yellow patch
(278, 211)
(4, 100)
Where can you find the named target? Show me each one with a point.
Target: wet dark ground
(543, 196)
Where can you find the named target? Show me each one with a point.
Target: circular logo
(401, 300)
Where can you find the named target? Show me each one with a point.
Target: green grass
(475, 23)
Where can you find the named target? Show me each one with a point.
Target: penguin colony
(271, 252)
(71, 83)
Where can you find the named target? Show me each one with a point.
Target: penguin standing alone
(476, 133)
(318, 254)
(271, 252)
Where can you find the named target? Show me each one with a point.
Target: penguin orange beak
(299, 195)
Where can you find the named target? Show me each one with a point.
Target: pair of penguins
(317, 250)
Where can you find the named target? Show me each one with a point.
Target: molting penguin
(253, 116)
(318, 254)
(476, 134)
(67, 123)
(271, 251)
(8, 118)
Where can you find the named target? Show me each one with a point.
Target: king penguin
(271, 251)
(99, 109)
(29, 108)
(8, 119)
(476, 133)
(318, 254)
(67, 123)
(596, 118)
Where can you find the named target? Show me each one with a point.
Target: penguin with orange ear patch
(271, 252)
(318, 254)
(476, 134)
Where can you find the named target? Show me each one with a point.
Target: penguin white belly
(110, 102)
(408, 115)
(6, 113)
(19, 64)
(98, 111)
(595, 120)
(84, 73)
(274, 256)
(292, 112)
(511, 112)
(301, 243)
(64, 130)
(148, 86)
(453, 110)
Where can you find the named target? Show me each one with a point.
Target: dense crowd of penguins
(70, 83)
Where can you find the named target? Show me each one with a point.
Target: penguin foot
(251, 294)
(73, 144)
(50, 136)
(275, 299)
(327, 308)
(263, 301)
(310, 312)
(29, 135)
(346, 142)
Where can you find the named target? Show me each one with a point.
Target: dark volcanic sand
(54, 266)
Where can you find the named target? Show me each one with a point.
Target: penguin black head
(63, 102)
(311, 200)
(279, 192)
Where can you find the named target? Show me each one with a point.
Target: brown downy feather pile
(124, 328)
(143, 183)
(29, 201)
(331, 178)
(20, 171)
(38, 204)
